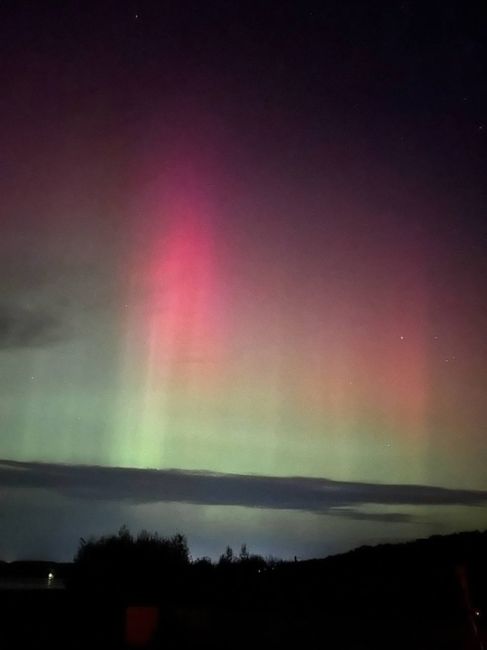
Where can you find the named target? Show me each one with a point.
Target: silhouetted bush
(126, 563)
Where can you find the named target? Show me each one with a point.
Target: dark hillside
(427, 594)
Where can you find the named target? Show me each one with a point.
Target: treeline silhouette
(148, 566)
(388, 574)
(425, 594)
(422, 592)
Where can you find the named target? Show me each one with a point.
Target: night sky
(242, 272)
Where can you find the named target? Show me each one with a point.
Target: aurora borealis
(245, 241)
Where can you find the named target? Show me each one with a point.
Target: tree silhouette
(244, 554)
(227, 557)
(128, 563)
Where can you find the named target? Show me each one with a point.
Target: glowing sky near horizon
(251, 263)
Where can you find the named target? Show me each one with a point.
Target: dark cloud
(383, 517)
(321, 496)
(22, 327)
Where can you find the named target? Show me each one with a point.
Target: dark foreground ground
(425, 595)
(57, 619)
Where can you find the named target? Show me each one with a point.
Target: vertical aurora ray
(227, 353)
(174, 326)
(178, 318)
(314, 372)
(231, 241)
(233, 342)
(382, 410)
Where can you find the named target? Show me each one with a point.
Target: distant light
(50, 576)
(477, 612)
